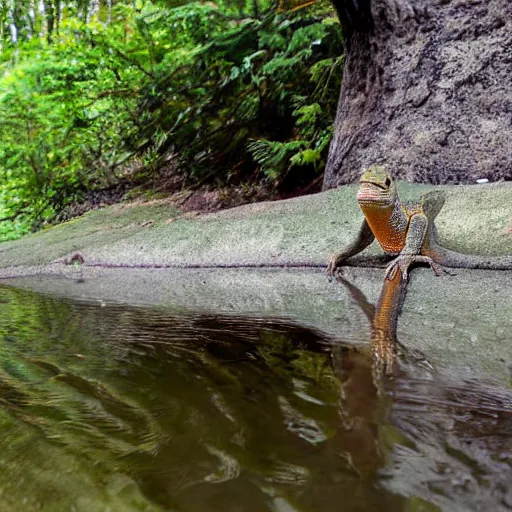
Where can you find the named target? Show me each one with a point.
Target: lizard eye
(387, 182)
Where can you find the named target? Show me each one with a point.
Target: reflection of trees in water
(177, 402)
(230, 412)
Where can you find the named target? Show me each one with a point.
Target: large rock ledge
(461, 322)
(475, 219)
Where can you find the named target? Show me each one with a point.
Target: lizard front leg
(410, 254)
(364, 238)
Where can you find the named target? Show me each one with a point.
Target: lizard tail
(449, 258)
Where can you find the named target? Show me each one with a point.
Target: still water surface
(112, 408)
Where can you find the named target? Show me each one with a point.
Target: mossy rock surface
(475, 219)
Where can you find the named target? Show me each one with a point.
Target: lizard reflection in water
(366, 377)
(404, 230)
(383, 319)
(389, 425)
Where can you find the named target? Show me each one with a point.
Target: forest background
(148, 98)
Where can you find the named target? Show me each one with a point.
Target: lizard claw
(404, 261)
(401, 263)
(333, 270)
(331, 267)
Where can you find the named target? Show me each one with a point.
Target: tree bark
(427, 91)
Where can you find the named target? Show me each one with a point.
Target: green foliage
(268, 96)
(235, 90)
(273, 156)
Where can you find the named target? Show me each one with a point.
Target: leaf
(306, 157)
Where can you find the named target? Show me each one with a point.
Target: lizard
(406, 231)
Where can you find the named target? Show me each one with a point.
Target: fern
(282, 68)
(306, 157)
(303, 37)
(324, 139)
(321, 69)
(326, 74)
(273, 156)
(307, 118)
(248, 108)
(273, 41)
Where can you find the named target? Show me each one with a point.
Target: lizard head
(376, 187)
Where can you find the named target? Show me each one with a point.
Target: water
(112, 408)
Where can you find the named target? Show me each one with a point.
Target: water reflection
(138, 409)
(436, 422)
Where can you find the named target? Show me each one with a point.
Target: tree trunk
(427, 90)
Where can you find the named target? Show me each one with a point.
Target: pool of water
(108, 407)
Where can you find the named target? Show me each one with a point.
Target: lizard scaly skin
(407, 231)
